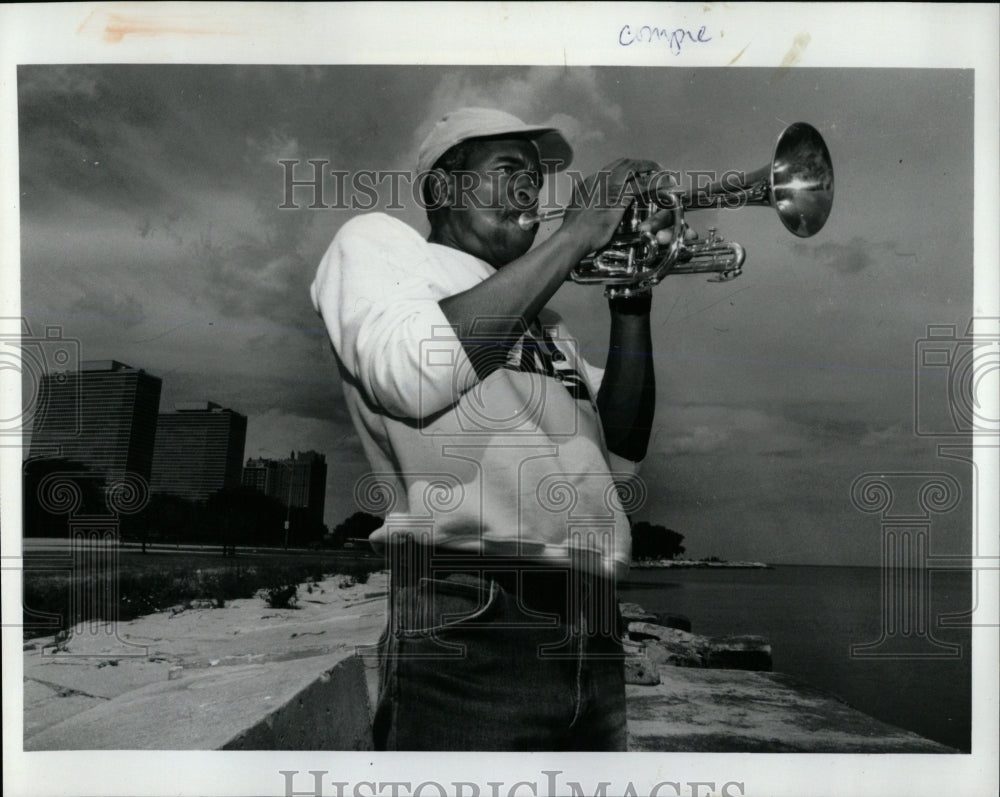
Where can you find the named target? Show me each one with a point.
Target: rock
(672, 621)
(680, 648)
(639, 669)
(633, 612)
(670, 645)
(640, 631)
(739, 653)
(673, 653)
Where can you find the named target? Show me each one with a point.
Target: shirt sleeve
(376, 293)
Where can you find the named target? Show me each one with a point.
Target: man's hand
(597, 207)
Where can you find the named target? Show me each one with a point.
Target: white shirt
(510, 465)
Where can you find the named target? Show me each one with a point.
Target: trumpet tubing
(798, 184)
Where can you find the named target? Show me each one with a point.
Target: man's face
(501, 181)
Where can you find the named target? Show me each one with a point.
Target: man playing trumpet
(497, 445)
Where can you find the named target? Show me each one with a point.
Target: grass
(152, 582)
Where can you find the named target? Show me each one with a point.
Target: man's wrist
(571, 245)
(637, 304)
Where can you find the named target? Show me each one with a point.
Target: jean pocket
(435, 605)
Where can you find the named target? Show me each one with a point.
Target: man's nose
(525, 193)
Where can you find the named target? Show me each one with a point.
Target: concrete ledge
(332, 713)
(319, 703)
(737, 711)
(244, 677)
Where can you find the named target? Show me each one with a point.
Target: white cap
(467, 123)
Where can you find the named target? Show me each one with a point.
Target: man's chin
(518, 246)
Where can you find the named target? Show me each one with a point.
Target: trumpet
(797, 183)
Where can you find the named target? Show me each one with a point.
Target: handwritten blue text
(674, 39)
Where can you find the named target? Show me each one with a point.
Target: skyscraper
(264, 476)
(199, 450)
(298, 482)
(103, 416)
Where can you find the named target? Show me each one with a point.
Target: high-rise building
(264, 476)
(199, 450)
(298, 482)
(103, 416)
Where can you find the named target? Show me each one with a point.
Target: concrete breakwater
(250, 677)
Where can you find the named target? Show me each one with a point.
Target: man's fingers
(666, 235)
(658, 221)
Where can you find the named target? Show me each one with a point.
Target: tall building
(298, 482)
(264, 476)
(103, 416)
(199, 450)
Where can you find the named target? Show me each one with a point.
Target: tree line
(230, 517)
(240, 516)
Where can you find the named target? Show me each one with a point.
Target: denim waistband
(539, 585)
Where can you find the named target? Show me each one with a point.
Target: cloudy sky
(150, 231)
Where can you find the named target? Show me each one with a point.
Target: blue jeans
(502, 661)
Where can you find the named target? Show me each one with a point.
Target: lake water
(813, 615)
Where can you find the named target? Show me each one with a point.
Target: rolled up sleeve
(375, 291)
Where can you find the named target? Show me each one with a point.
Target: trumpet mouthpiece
(528, 220)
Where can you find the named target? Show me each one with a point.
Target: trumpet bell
(801, 180)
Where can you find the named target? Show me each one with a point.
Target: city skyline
(105, 415)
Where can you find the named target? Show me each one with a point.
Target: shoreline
(248, 676)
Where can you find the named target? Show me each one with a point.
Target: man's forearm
(627, 397)
(491, 315)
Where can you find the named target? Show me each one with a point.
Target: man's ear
(440, 189)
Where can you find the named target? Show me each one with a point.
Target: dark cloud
(255, 390)
(124, 311)
(847, 258)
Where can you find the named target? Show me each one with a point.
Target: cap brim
(553, 150)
